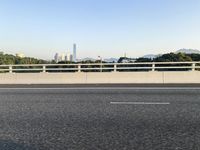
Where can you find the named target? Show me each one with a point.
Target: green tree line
(8, 59)
(172, 57)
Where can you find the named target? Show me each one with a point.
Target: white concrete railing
(102, 67)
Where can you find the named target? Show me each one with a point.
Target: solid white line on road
(107, 88)
(139, 103)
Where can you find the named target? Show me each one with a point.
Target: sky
(106, 28)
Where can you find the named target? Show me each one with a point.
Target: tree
(172, 57)
(7, 59)
(141, 59)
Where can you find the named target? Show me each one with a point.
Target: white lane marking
(108, 88)
(140, 103)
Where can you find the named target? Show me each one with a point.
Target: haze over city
(40, 28)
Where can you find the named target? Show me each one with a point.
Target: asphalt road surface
(100, 118)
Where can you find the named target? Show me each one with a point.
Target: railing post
(10, 69)
(79, 68)
(193, 66)
(44, 68)
(153, 66)
(115, 67)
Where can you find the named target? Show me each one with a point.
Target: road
(100, 118)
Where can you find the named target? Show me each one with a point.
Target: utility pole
(100, 58)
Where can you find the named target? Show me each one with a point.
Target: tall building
(74, 52)
(56, 57)
(69, 57)
(62, 57)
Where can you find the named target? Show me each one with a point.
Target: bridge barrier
(113, 73)
(101, 78)
(101, 67)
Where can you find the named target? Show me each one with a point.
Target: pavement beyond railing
(102, 67)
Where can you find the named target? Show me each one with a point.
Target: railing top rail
(99, 64)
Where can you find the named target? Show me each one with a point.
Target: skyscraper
(62, 57)
(69, 57)
(74, 52)
(56, 57)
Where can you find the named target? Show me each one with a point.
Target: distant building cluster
(20, 55)
(66, 56)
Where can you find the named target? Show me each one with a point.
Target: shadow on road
(10, 145)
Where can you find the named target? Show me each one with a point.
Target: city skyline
(66, 56)
(71, 57)
(100, 28)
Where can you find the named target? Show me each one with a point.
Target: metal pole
(153, 67)
(10, 69)
(101, 64)
(79, 68)
(193, 66)
(115, 68)
(44, 68)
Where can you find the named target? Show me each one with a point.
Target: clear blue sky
(107, 28)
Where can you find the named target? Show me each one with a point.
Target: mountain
(150, 56)
(110, 60)
(88, 59)
(106, 60)
(188, 51)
